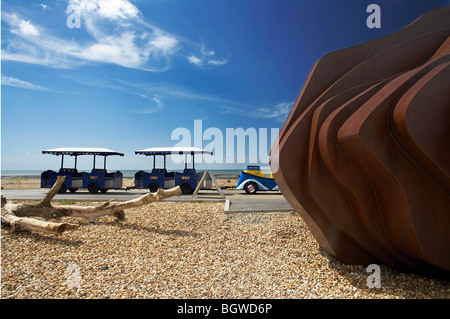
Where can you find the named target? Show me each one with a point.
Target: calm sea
(126, 173)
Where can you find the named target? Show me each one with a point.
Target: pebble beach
(190, 250)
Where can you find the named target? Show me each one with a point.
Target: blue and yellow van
(254, 179)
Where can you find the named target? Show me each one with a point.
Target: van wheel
(153, 187)
(251, 188)
(63, 188)
(93, 188)
(186, 188)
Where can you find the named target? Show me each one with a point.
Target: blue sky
(134, 71)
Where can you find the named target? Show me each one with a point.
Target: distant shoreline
(129, 174)
(21, 176)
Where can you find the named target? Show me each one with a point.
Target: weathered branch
(46, 201)
(91, 213)
(31, 224)
(17, 215)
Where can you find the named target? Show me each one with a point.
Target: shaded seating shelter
(161, 178)
(99, 179)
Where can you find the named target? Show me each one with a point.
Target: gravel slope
(191, 250)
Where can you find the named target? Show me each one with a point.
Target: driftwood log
(18, 216)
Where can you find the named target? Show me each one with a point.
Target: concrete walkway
(234, 201)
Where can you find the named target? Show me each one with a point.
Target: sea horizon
(126, 172)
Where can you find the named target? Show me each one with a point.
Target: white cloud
(44, 6)
(164, 43)
(117, 34)
(117, 9)
(27, 29)
(194, 60)
(120, 50)
(206, 58)
(204, 61)
(207, 53)
(157, 105)
(218, 62)
(110, 9)
(133, 44)
(277, 112)
(19, 26)
(11, 81)
(158, 90)
(130, 47)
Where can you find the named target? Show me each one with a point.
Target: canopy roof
(81, 151)
(172, 150)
